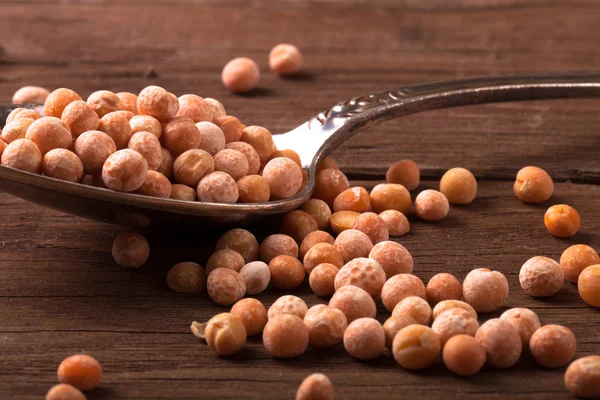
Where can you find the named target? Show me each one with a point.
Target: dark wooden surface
(61, 293)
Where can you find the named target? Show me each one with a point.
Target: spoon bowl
(313, 141)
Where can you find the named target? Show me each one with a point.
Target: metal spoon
(312, 140)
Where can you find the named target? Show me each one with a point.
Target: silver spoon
(313, 141)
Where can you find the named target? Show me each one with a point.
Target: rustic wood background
(61, 293)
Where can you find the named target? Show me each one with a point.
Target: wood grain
(61, 293)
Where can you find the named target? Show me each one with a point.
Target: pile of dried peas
(187, 148)
(347, 254)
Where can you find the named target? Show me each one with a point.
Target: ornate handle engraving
(361, 104)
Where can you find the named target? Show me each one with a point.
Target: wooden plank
(61, 292)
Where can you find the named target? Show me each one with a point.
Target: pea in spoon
(313, 141)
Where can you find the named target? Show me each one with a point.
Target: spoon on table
(313, 141)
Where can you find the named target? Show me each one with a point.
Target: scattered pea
(353, 199)
(582, 377)
(80, 371)
(257, 276)
(448, 304)
(286, 272)
(454, 321)
(225, 258)
(285, 336)
(364, 273)
(298, 224)
(329, 183)
(130, 250)
(553, 346)
(575, 259)
(285, 59)
(322, 253)
(485, 290)
(225, 286)
(354, 302)
(431, 205)
(397, 224)
(242, 241)
(63, 391)
(441, 287)
(400, 286)
(373, 226)
(541, 277)
(524, 320)
(364, 338)
(252, 313)
(533, 185)
(562, 220)
(225, 334)
(463, 355)
(322, 279)
(392, 257)
(312, 239)
(588, 285)
(390, 196)
(319, 210)
(459, 186)
(415, 307)
(405, 173)
(343, 220)
(288, 304)
(186, 277)
(315, 387)
(501, 341)
(352, 244)
(395, 324)
(416, 347)
(277, 245)
(240, 75)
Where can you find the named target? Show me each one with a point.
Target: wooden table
(61, 293)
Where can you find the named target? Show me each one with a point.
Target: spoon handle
(346, 119)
